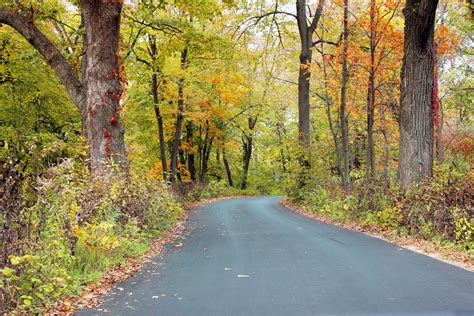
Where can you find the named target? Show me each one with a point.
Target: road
(252, 256)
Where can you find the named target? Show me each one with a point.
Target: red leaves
(107, 134)
(114, 121)
(117, 96)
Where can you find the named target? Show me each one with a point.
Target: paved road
(251, 256)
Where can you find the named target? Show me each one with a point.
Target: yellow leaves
(216, 79)
(99, 237)
(156, 172)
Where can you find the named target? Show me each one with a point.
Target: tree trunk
(439, 134)
(205, 158)
(306, 35)
(342, 112)
(227, 168)
(416, 99)
(179, 120)
(191, 161)
(248, 146)
(304, 75)
(386, 142)
(98, 96)
(370, 164)
(156, 105)
(280, 132)
(103, 77)
(332, 129)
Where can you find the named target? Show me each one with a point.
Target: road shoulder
(426, 247)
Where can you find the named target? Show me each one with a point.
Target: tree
(306, 32)
(97, 96)
(416, 100)
(342, 111)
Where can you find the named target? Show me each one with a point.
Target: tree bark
(104, 89)
(179, 120)
(342, 112)
(416, 100)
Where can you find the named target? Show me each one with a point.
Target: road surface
(252, 256)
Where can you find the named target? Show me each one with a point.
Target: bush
(77, 228)
(443, 205)
(439, 208)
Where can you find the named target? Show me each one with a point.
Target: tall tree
(342, 111)
(247, 143)
(416, 99)
(97, 95)
(306, 31)
(371, 93)
(179, 119)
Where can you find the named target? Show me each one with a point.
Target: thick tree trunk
(306, 38)
(370, 170)
(304, 75)
(342, 112)
(303, 101)
(179, 121)
(105, 131)
(416, 100)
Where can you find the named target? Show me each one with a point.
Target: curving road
(251, 256)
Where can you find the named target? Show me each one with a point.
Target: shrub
(77, 228)
(438, 208)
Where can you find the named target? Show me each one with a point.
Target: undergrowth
(440, 209)
(75, 229)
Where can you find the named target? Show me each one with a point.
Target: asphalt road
(251, 256)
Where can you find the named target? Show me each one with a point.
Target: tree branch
(64, 71)
(317, 16)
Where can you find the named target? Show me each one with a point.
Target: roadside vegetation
(115, 115)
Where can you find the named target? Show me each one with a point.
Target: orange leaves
(446, 40)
